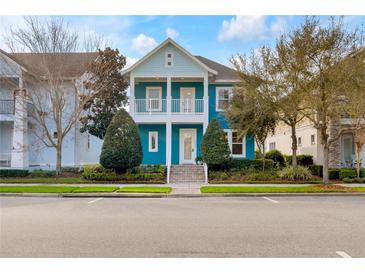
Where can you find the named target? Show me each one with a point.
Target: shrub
(13, 173)
(302, 160)
(215, 149)
(334, 173)
(122, 148)
(276, 156)
(99, 173)
(298, 173)
(247, 164)
(347, 173)
(72, 169)
(258, 154)
(262, 176)
(38, 173)
(354, 180)
(316, 170)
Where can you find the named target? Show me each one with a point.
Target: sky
(214, 37)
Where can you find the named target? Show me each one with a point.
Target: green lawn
(88, 189)
(37, 189)
(278, 189)
(145, 189)
(71, 180)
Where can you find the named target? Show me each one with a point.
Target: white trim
(169, 59)
(150, 135)
(230, 144)
(217, 89)
(181, 146)
(168, 40)
(154, 88)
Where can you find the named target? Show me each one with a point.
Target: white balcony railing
(6, 106)
(178, 106)
(149, 105)
(187, 106)
(5, 159)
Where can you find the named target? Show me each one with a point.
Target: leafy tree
(122, 148)
(276, 156)
(321, 49)
(104, 77)
(250, 114)
(215, 148)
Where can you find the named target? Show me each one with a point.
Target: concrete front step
(187, 174)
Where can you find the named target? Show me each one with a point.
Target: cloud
(130, 61)
(250, 27)
(143, 43)
(172, 33)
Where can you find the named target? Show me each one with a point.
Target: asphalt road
(195, 227)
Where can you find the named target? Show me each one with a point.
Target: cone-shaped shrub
(215, 148)
(122, 145)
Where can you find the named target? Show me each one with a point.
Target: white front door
(187, 145)
(187, 99)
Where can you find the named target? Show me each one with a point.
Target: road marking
(270, 200)
(93, 201)
(343, 254)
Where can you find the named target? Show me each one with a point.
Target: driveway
(186, 227)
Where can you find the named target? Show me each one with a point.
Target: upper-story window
(272, 146)
(154, 96)
(169, 60)
(223, 95)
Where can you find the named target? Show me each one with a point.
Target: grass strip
(145, 189)
(288, 189)
(265, 182)
(91, 189)
(37, 189)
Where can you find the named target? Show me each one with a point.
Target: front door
(187, 100)
(187, 145)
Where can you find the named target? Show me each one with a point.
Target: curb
(159, 195)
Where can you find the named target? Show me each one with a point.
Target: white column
(19, 154)
(131, 96)
(168, 149)
(206, 103)
(168, 96)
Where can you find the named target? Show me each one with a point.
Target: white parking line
(93, 201)
(343, 254)
(270, 200)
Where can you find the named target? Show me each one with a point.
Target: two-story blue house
(173, 96)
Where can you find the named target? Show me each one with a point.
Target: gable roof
(70, 65)
(224, 73)
(167, 41)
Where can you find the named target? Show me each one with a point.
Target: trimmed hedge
(302, 160)
(99, 173)
(316, 170)
(347, 173)
(334, 173)
(13, 173)
(246, 164)
(276, 156)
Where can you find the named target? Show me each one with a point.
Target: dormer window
(169, 60)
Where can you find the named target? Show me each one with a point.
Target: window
(223, 95)
(169, 60)
(299, 141)
(153, 141)
(154, 96)
(237, 148)
(313, 140)
(272, 146)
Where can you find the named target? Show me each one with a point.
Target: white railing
(5, 159)
(187, 106)
(149, 105)
(6, 106)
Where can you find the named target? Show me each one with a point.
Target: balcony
(163, 110)
(5, 159)
(178, 106)
(6, 106)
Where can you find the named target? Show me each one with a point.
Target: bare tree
(53, 89)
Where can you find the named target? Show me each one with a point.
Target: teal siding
(140, 89)
(212, 112)
(175, 151)
(250, 147)
(175, 89)
(159, 157)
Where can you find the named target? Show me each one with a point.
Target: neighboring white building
(19, 146)
(342, 152)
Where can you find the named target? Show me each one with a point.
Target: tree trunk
(358, 166)
(294, 146)
(263, 156)
(59, 158)
(325, 163)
